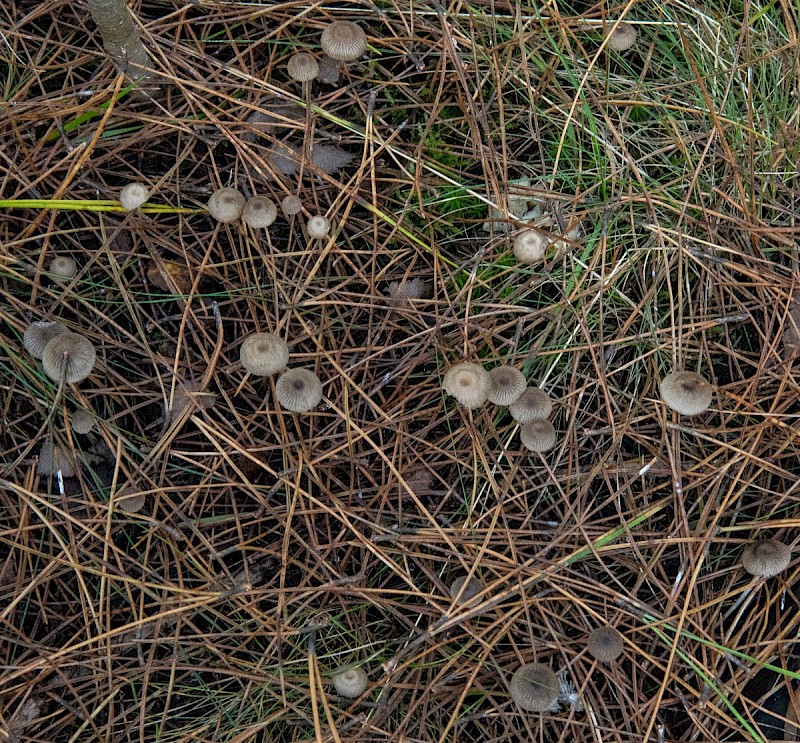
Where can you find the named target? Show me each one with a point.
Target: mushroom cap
(530, 246)
(343, 41)
(624, 37)
(298, 390)
(63, 267)
(302, 67)
(605, 643)
(538, 435)
(535, 687)
(53, 458)
(291, 205)
(69, 355)
(468, 382)
(264, 354)
(133, 196)
(82, 421)
(766, 558)
(472, 589)
(259, 212)
(226, 204)
(38, 334)
(686, 392)
(507, 384)
(129, 499)
(350, 682)
(318, 227)
(533, 404)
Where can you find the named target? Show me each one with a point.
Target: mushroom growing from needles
(259, 212)
(63, 267)
(530, 246)
(53, 458)
(621, 38)
(343, 41)
(298, 390)
(468, 382)
(532, 405)
(226, 205)
(38, 334)
(318, 227)
(507, 384)
(82, 421)
(538, 435)
(686, 392)
(350, 682)
(605, 644)
(133, 196)
(767, 558)
(264, 354)
(291, 205)
(302, 67)
(69, 356)
(535, 687)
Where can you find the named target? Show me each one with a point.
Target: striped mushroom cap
(302, 67)
(264, 354)
(534, 687)
(298, 390)
(68, 355)
(226, 204)
(532, 405)
(343, 41)
(605, 644)
(468, 382)
(686, 392)
(621, 38)
(38, 334)
(766, 558)
(538, 435)
(507, 384)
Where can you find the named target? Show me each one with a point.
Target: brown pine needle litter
(271, 548)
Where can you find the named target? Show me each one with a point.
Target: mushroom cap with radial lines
(507, 384)
(343, 41)
(226, 204)
(70, 356)
(82, 421)
(532, 405)
(318, 227)
(530, 246)
(38, 334)
(621, 38)
(538, 435)
(350, 682)
(291, 205)
(767, 558)
(302, 67)
(686, 392)
(535, 687)
(264, 354)
(298, 390)
(259, 212)
(605, 644)
(133, 196)
(468, 382)
(63, 267)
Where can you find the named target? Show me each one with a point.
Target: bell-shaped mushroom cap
(535, 687)
(130, 499)
(264, 354)
(530, 246)
(53, 458)
(507, 384)
(298, 390)
(291, 205)
(533, 404)
(766, 558)
(605, 644)
(318, 227)
(226, 205)
(82, 421)
(621, 38)
(68, 355)
(63, 267)
(472, 589)
(259, 212)
(343, 41)
(38, 334)
(133, 196)
(538, 435)
(351, 682)
(302, 67)
(686, 392)
(468, 382)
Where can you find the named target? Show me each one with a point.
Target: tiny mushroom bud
(318, 227)
(350, 682)
(133, 196)
(472, 589)
(530, 246)
(291, 205)
(63, 267)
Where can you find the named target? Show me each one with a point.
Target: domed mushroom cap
(38, 334)
(624, 37)
(343, 41)
(533, 404)
(130, 499)
(133, 196)
(226, 205)
(298, 390)
(68, 355)
(302, 67)
(538, 435)
(469, 383)
(350, 682)
(766, 558)
(291, 205)
(53, 458)
(686, 392)
(264, 354)
(318, 227)
(605, 644)
(82, 421)
(530, 246)
(472, 589)
(534, 687)
(259, 212)
(507, 384)
(63, 267)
